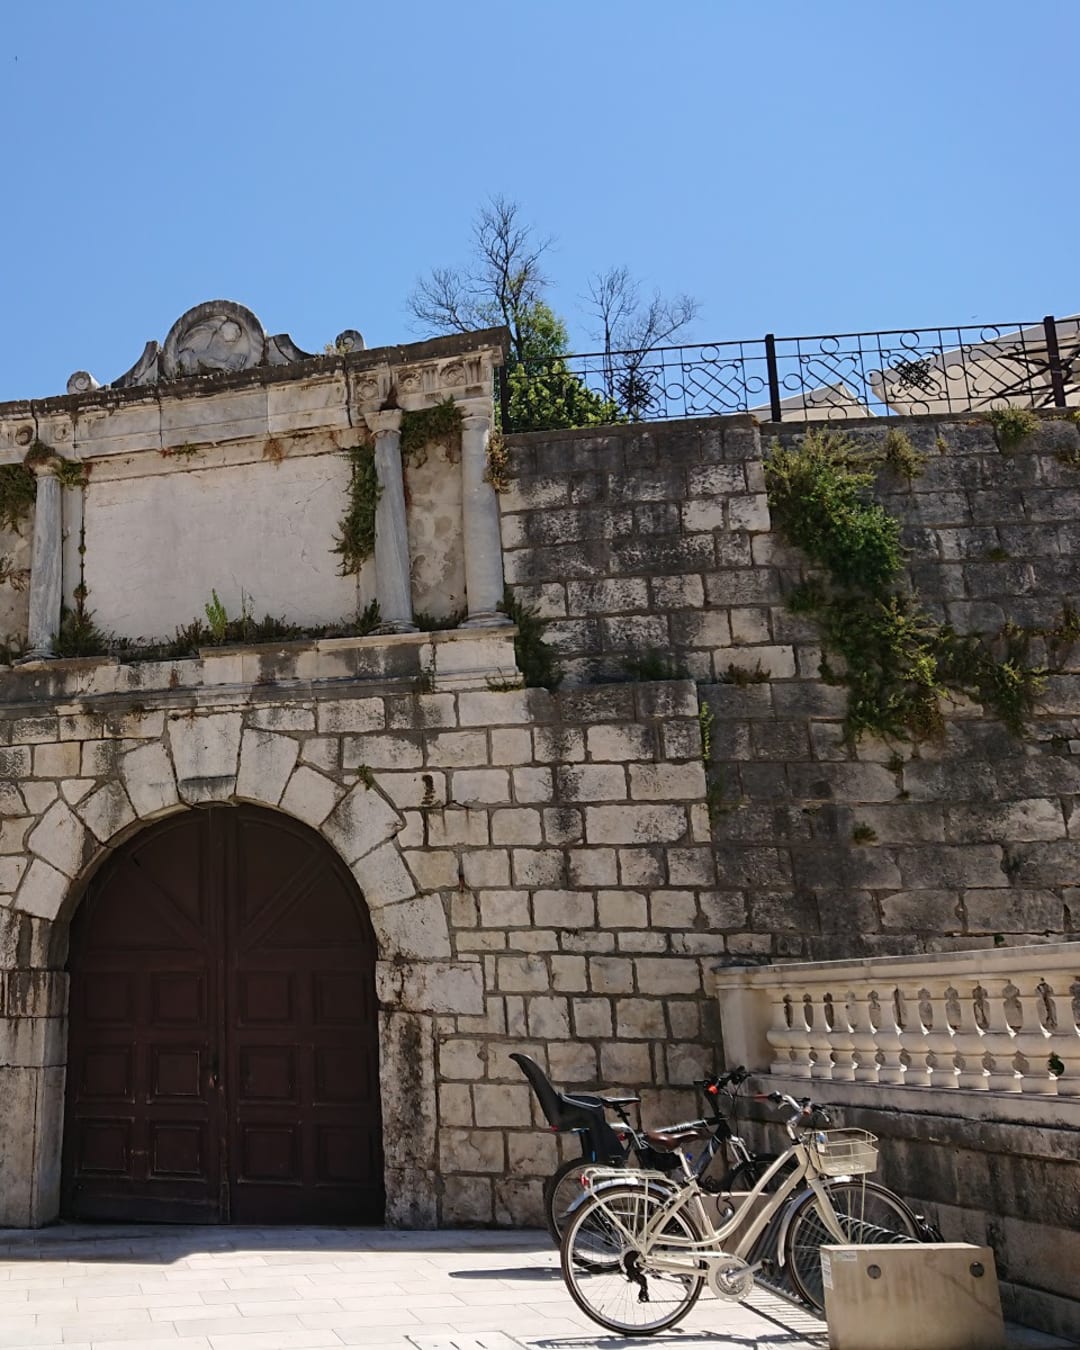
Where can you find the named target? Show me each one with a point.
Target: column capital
(44, 466)
(383, 421)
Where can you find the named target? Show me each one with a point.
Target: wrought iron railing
(911, 371)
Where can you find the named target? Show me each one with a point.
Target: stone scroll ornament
(219, 336)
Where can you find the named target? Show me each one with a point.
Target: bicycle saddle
(668, 1140)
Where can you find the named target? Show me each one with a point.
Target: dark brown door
(223, 1055)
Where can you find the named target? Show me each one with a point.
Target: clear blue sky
(799, 167)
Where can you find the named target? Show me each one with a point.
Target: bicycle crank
(729, 1277)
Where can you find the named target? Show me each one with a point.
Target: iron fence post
(774, 379)
(504, 400)
(1057, 379)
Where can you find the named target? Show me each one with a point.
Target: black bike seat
(618, 1101)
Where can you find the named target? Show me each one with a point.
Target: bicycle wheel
(561, 1190)
(607, 1275)
(865, 1211)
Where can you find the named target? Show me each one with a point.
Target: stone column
(46, 568)
(480, 513)
(393, 587)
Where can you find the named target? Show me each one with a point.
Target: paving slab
(115, 1287)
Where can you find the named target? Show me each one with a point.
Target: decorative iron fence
(909, 372)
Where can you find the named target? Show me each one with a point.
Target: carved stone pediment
(219, 336)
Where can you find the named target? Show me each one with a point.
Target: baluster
(843, 1039)
(920, 1016)
(1037, 1010)
(864, 1016)
(1063, 995)
(890, 1033)
(824, 1020)
(968, 1033)
(781, 1036)
(802, 1023)
(998, 1039)
(940, 1041)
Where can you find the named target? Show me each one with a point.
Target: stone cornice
(327, 393)
(492, 342)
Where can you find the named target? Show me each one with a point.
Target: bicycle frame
(660, 1249)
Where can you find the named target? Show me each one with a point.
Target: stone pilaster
(392, 582)
(480, 519)
(46, 565)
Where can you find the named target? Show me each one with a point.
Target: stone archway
(223, 1052)
(203, 758)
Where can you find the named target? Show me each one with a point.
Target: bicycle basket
(843, 1153)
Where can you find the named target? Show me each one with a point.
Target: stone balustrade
(1003, 1020)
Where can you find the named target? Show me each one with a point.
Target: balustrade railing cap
(992, 960)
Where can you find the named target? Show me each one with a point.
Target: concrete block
(942, 1296)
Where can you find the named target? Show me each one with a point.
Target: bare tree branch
(501, 285)
(441, 302)
(629, 329)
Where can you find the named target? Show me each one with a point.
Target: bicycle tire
(600, 1271)
(865, 1211)
(561, 1190)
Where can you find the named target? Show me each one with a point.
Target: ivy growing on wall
(439, 423)
(536, 660)
(895, 660)
(18, 488)
(355, 540)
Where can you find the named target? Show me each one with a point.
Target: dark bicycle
(627, 1145)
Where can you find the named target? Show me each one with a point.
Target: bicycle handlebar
(711, 1087)
(805, 1113)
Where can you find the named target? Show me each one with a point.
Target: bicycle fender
(656, 1189)
(800, 1198)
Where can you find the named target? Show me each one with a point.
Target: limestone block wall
(659, 536)
(538, 870)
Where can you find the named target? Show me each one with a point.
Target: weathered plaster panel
(156, 547)
(433, 504)
(15, 581)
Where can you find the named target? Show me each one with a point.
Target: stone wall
(538, 871)
(659, 536)
(558, 873)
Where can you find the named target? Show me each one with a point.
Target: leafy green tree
(544, 392)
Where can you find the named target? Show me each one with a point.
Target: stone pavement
(87, 1287)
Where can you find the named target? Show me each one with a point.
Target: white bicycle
(636, 1254)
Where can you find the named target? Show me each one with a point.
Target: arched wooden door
(223, 1052)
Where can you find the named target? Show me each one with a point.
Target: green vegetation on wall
(896, 662)
(355, 541)
(535, 658)
(422, 428)
(18, 489)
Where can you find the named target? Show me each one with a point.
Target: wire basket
(844, 1153)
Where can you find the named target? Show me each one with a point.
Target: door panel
(140, 1107)
(223, 1059)
(287, 952)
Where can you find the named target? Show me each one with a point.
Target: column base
(35, 656)
(491, 618)
(392, 626)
